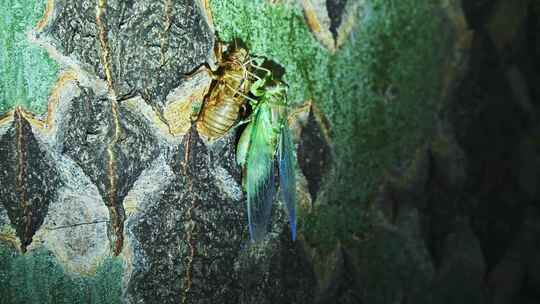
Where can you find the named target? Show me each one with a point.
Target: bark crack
(115, 208)
(191, 228)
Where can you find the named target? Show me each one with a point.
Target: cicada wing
(260, 198)
(287, 179)
(260, 173)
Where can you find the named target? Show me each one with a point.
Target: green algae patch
(379, 91)
(37, 277)
(26, 71)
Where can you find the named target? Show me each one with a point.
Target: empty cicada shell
(227, 94)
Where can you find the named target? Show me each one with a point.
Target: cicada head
(276, 93)
(238, 55)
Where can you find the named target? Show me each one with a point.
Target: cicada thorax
(227, 95)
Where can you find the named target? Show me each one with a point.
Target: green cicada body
(264, 147)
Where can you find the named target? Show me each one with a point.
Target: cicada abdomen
(227, 94)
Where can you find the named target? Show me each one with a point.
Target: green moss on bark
(26, 71)
(38, 278)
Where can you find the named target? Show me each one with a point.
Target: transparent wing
(260, 173)
(287, 179)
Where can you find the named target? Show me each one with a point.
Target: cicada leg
(236, 91)
(257, 67)
(241, 122)
(206, 67)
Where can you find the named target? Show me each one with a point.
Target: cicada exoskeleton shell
(227, 94)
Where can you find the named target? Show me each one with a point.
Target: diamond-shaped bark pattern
(192, 235)
(151, 42)
(89, 135)
(29, 179)
(314, 153)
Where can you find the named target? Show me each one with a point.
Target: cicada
(227, 94)
(265, 152)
